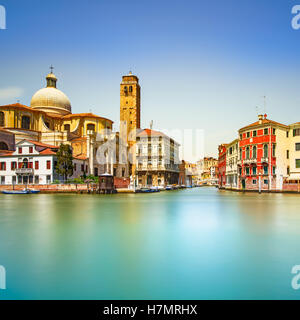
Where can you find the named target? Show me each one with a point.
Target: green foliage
(64, 165)
(92, 179)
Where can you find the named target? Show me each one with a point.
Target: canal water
(189, 244)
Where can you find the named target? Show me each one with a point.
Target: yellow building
(49, 120)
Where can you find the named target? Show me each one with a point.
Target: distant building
(206, 170)
(222, 165)
(157, 159)
(187, 174)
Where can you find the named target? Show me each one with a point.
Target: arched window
(254, 153)
(25, 163)
(130, 89)
(67, 127)
(3, 146)
(25, 122)
(2, 119)
(91, 127)
(266, 151)
(247, 152)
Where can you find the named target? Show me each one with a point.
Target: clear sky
(202, 64)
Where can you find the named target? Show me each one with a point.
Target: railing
(249, 161)
(24, 171)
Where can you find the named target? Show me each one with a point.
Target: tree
(64, 165)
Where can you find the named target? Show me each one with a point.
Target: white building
(33, 163)
(157, 159)
(232, 151)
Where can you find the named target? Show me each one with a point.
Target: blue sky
(202, 64)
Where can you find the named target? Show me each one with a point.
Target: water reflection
(191, 244)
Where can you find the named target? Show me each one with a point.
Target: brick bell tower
(130, 106)
(130, 114)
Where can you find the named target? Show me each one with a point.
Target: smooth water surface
(190, 244)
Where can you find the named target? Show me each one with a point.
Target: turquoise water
(191, 244)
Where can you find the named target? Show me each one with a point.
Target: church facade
(49, 120)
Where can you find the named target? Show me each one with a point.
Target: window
(36, 179)
(266, 151)
(266, 130)
(30, 149)
(274, 150)
(75, 166)
(13, 165)
(130, 89)
(19, 179)
(48, 164)
(48, 179)
(297, 146)
(247, 171)
(3, 166)
(14, 180)
(274, 131)
(265, 169)
(36, 165)
(2, 119)
(254, 133)
(67, 127)
(254, 170)
(288, 170)
(241, 137)
(266, 181)
(241, 153)
(247, 152)
(31, 179)
(254, 181)
(274, 170)
(20, 150)
(287, 154)
(91, 127)
(25, 122)
(296, 132)
(254, 152)
(248, 134)
(3, 180)
(287, 134)
(25, 163)
(82, 167)
(297, 163)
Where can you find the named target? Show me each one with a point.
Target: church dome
(50, 99)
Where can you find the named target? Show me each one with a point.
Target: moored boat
(16, 191)
(25, 191)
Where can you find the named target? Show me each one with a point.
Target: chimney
(260, 118)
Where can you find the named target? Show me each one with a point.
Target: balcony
(24, 171)
(250, 161)
(264, 160)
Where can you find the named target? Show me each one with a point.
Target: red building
(261, 164)
(222, 165)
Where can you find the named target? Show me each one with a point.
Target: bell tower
(130, 107)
